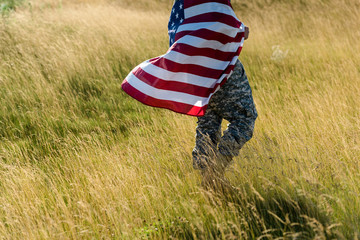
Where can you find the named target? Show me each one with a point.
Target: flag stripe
(163, 84)
(209, 7)
(207, 52)
(188, 68)
(192, 3)
(211, 35)
(154, 102)
(187, 78)
(165, 94)
(214, 17)
(203, 61)
(213, 26)
(213, 44)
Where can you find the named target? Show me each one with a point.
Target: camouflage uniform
(233, 102)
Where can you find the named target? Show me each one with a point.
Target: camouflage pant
(233, 102)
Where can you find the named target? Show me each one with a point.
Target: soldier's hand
(246, 33)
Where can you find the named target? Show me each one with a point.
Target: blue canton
(176, 18)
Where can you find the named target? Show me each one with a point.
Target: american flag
(206, 38)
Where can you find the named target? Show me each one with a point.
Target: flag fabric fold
(206, 38)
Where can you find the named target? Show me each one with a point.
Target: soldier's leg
(240, 111)
(208, 133)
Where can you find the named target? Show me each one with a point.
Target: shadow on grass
(270, 215)
(278, 215)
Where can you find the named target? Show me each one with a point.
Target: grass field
(79, 159)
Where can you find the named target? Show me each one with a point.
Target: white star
(173, 10)
(172, 24)
(181, 6)
(177, 16)
(181, 20)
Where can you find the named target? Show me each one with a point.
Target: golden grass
(81, 160)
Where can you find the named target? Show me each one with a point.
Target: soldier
(233, 102)
(209, 34)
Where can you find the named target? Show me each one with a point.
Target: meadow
(79, 159)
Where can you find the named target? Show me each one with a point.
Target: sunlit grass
(79, 159)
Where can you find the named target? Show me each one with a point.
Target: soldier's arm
(246, 33)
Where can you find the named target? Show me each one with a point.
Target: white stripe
(213, 26)
(209, 7)
(203, 43)
(181, 77)
(166, 94)
(197, 60)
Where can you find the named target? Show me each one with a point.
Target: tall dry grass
(81, 160)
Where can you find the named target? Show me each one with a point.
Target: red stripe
(211, 35)
(187, 68)
(191, 3)
(171, 85)
(153, 59)
(214, 17)
(154, 102)
(206, 52)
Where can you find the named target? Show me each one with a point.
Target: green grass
(7, 6)
(79, 159)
